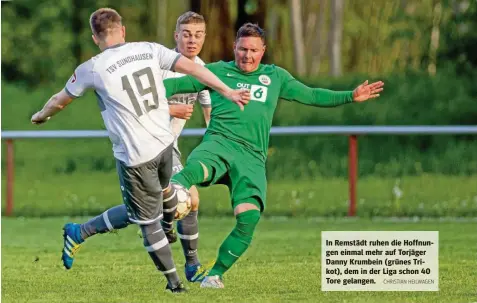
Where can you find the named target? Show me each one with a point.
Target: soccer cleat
(72, 243)
(196, 272)
(178, 289)
(171, 235)
(212, 282)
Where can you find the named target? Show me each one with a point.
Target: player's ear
(95, 40)
(176, 36)
(123, 32)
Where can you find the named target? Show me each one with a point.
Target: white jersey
(127, 79)
(177, 124)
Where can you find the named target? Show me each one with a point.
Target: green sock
(236, 243)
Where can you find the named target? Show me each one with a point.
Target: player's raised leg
(203, 166)
(75, 234)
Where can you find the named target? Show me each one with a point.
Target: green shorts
(229, 163)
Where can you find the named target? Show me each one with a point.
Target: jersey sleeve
(182, 85)
(167, 57)
(186, 84)
(204, 99)
(81, 80)
(294, 90)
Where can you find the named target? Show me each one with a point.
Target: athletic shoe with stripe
(72, 243)
(196, 272)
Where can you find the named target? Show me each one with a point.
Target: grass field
(283, 264)
(427, 195)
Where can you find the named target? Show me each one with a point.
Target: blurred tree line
(43, 41)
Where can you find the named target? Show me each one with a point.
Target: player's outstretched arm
(241, 97)
(79, 82)
(54, 105)
(294, 90)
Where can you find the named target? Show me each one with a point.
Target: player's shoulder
(217, 65)
(88, 65)
(272, 68)
(280, 72)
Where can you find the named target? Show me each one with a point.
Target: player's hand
(38, 118)
(241, 97)
(367, 91)
(181, 111)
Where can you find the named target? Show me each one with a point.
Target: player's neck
(110, 44)
(246, 72)
(190, 58)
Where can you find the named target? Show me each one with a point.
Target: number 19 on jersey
(142, 91)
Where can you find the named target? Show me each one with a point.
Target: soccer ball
(184, 203)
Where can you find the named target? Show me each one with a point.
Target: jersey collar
(258, 70)
(114, 46)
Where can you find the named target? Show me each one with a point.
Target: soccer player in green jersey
(233, 151)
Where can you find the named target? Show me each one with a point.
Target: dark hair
(189, 18)
(250, 30)
(103, 21)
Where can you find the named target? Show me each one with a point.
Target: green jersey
(267, 84)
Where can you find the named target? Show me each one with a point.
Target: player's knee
(194, 196)
(246, 223)
(243, 207)
(206, 171)
(150, 232)
(194, 203)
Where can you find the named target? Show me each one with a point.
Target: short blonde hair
(189, 18)
(103, 20)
